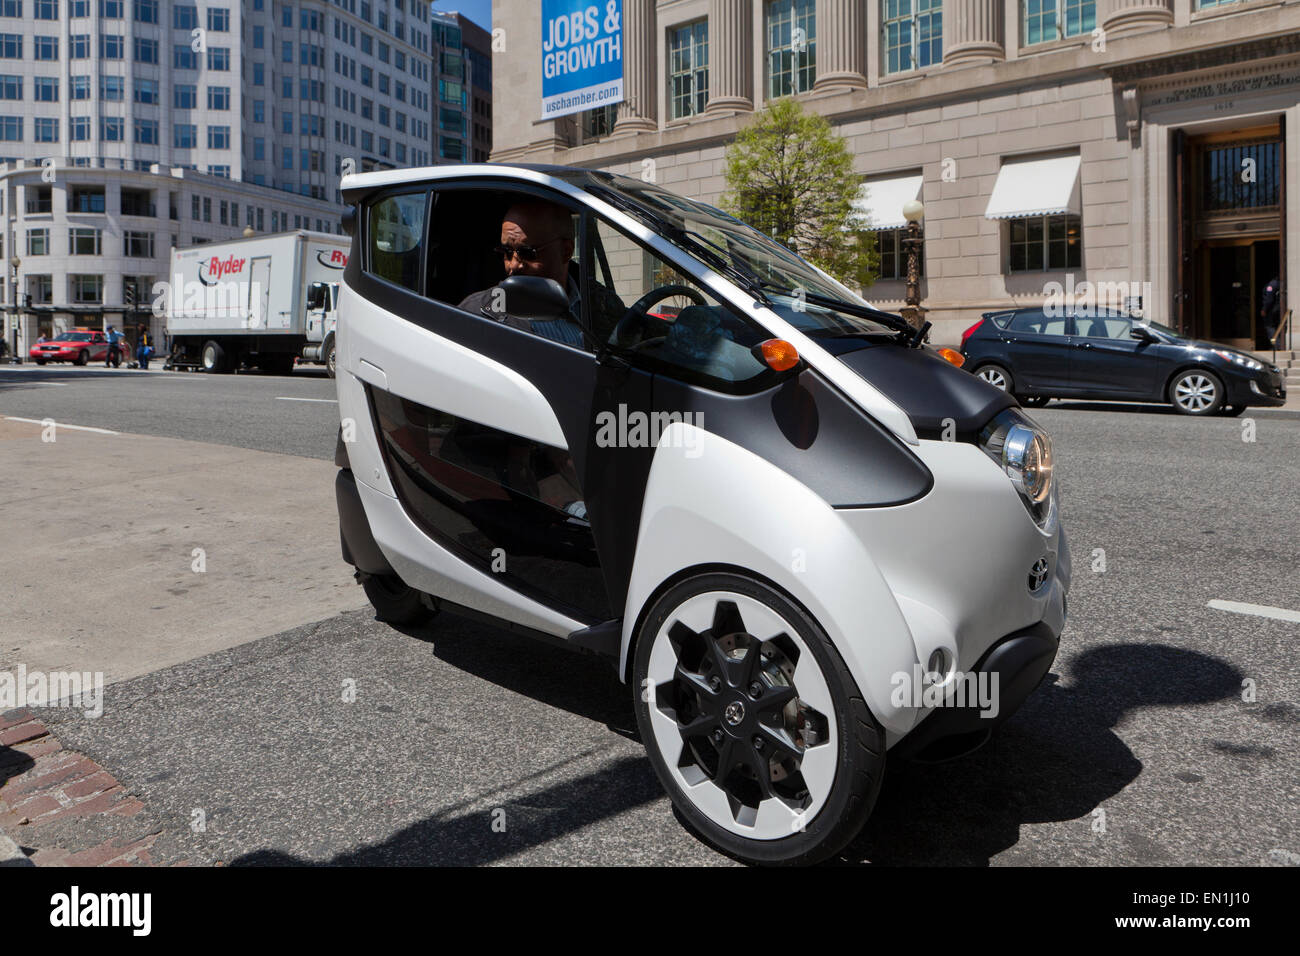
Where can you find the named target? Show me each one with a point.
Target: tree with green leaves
(789, 175)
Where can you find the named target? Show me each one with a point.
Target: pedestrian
(41, 339)
(142, 347)
(113, 357)
(1270, 309)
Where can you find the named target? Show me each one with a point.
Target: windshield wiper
(897, 323)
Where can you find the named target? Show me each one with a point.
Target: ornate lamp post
(913, 212)
(15, 358)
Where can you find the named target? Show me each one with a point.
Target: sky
(480, 11)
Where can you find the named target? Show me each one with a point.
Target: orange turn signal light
(953, 356)
(779, 354)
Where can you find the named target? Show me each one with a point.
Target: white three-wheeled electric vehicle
(590, 409)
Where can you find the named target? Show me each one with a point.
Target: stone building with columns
(1140, 153)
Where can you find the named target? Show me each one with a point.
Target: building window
(42, 289)
(11, 129)
(1040, 243)
(218, 58)
(47, 129)
(86, 290)
(1048, 20)
(218, 97)
(218, 137)
(85, 242)
(185, 96)
(47, 89)
(86, 199)
(791, 46)
(47, 9)
(185, 17)
(146, 132)
(11, 46)
(913, 34)
(219, 19)
(183, 58)
(893, 254)
(207, 209)
(688, 69)
(47, 48)
(79, 128)
(146, 51)
(146, 11)
(11, 87)
(594, 123)
(137, 245)
(1224, 188)
(146, 91)
(78, 87)
(38, 242)
(185, 136)
(111, 9)
(112, 46)
(111, 88)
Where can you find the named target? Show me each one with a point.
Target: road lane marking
(59, 424)
(286, 398)
(1259, 610)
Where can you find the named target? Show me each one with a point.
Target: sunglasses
(526, 253)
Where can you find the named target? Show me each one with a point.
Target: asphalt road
(1139, 748)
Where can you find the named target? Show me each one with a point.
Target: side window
(1037, 323)
(644, 308)
(1103, 326)
(395, 238)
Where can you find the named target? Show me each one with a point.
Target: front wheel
(329, 353)
(82, 357)
(753, 723)
(394, 601)
(1196, 392)
(213, 357)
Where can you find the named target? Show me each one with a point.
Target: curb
(11, 854)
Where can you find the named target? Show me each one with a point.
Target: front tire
(1196, 392)
(753, 723)
(394, 601)
(82, 357)
(996, 375)
(330, 354)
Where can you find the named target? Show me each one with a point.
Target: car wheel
(330, 355)
(82, 357)
(996, 376)
(213, 358)
(40, 361)
(1196, 392)
(1233, 411)
(753, 723)
(1034, 401)
(394, 601)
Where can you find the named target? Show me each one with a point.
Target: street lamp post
(913, 212)
(14, 263)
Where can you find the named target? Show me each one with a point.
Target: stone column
(972, 32)
(841, 44)
(1121, 17)
(638, 110)
(731, 50)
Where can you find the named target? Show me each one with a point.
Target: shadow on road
(13, 763)
(458, 838)
(1057, 760)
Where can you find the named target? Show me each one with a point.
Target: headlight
(1024, 451)
(1236, 358)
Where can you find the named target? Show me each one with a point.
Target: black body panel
(929, 389)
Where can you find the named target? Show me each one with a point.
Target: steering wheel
(629, 333)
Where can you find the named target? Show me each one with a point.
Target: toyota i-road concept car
(592, 410)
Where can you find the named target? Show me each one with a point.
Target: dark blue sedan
(1039, 354)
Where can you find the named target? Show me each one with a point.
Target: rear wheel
(82, 357)
(1196, 392)
(394, 601)
(996, 376)
(40, 361)
(213, 358)
(753, 722)
(329, 353)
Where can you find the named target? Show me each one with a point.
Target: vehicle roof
(578, 176)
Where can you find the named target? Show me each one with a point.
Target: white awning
(880, 203)
(1035, 187)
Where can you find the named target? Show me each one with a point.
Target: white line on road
(59, 424)
(286, 398)
(1259, 610)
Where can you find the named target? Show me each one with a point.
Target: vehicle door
(485, 427)
(1106, 361)
(1038, 347)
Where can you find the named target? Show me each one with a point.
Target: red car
(78, 346)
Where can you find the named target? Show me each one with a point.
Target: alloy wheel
(993, 376)
(1195, 392)
(742, 715)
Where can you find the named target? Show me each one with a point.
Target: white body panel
(255, 286)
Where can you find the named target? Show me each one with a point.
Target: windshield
(796, 290)
(1164, 329)
(73, 337)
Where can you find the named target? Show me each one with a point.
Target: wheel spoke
(818, 770)
(775, 698)
(695, 682)
(762, 771)
(728, 757)
(697, 727)
(782, 744)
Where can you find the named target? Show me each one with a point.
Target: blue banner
(582, 55)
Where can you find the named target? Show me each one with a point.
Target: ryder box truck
(260, 302)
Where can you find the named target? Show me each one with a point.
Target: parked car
(78, 346)
(1039, 355)
(745, 504)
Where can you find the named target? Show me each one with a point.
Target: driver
(537, 240)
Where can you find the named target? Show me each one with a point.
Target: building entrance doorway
(1233, 279)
